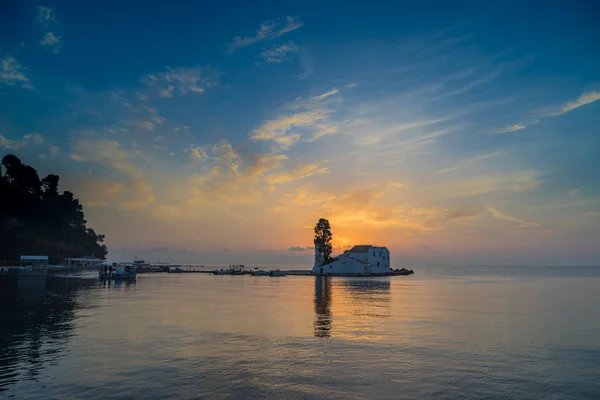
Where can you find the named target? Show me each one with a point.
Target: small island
(360, 260)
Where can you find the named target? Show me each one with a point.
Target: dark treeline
(35, 219)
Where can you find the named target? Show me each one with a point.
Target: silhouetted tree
(36, 219)
(323, 239)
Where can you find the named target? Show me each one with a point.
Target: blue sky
(451, 132)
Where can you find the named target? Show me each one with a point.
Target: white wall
(347, 264)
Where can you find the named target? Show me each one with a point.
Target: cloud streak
(51, 42)
(297, 173)
(584, 99)
(281, 53)
(521, 223)
(30, 139)
(180, 81)
(308, 119)
(45, 15)
(13, 73)
(268, 30)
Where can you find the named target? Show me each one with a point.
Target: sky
(460, 132)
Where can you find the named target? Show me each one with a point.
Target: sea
(443, 333)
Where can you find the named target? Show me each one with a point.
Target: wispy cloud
(45, 15)
(13, 73)
(378, 205)
(301, 172)
(469, 162)
(299, 248)
(268, 30)
(585, 98)
(522, 224)
(180, 81)
(228, 174)
(198, 153)
(517, 127)
(573, 192)
(53, 150)
(280, 53)
(112, 156)
(493, 75)
(308, 119)
(144, 118)
(512, 128)
(51, 42)
(29, 139)
(325, 95)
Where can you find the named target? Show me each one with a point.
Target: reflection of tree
(322, 306)
(360, 299)
(36, 322)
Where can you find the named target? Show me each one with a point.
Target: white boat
(118, 273)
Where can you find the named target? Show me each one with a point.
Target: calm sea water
(444, 333)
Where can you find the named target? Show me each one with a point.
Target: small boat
(237, 269)
(277, 272)
(223, 272)
(118, 273)
(260, 272)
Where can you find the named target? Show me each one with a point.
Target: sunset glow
(224, 142)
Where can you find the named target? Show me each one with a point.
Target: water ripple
(200, 336)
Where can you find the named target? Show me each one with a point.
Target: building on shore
(36, 261)
(361, 260)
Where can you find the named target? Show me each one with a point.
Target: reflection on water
(36, 322)
(238, 337)
(127, 284)
(322, 306)
(353, 300)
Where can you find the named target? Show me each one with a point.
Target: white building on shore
(361, 260)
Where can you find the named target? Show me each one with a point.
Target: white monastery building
(361, 260)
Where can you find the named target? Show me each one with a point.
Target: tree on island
(323, 240)
(35, 219)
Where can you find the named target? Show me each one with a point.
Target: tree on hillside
(323, 239)
(36, 219)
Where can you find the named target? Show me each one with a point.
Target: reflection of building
(367, 289)
(363, 260)
(322, 307)
(367, 298)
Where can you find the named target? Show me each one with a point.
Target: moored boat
(117, 273)
(223, 272)
(237, 269)
(260, 272)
